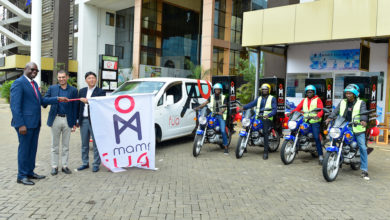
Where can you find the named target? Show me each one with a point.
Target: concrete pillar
(36, 36)
(206, 59)
(60, 37)
(137, 38)
(87, 44)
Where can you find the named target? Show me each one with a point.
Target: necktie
(36, 94)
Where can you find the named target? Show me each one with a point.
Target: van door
(173, 125)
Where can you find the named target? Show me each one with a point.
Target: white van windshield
(136, 87)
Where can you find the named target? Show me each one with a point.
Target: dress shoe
(83, 167)
(66, 170)
(265, 156)
(54, 171)
(25, 181)
(95, 169)
(36, 177)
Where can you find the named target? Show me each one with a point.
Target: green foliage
(72, 81)
(196, 71)
(246, 91)
(43, 89)
(6, 90)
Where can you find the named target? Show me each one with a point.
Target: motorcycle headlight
(246, 122)
(334, 133)
(292, 125)
(202, 120)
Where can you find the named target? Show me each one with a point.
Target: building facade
(57, 42)
(162, 37)
(322, 39)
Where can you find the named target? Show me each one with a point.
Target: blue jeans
(222, 126)
(86, 133)
(316, 134)
(361, 140)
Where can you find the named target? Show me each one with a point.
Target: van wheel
(157, 131)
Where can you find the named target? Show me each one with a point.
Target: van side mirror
(169, 100)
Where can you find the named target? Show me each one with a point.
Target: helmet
(352, 88)
(311, 87)
(266, 86)
(217, 86)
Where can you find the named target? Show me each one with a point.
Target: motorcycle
(252, 133)
(299, 137)
(209, 131)
(343, 148)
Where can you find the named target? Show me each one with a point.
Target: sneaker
(226, 152)
(320, 159)
(365, 175)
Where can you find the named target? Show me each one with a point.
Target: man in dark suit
(85, 121)
(62, 120)
(26, 101)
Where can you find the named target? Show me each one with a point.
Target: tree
(245, 93)
(6, 90)
(196, 71)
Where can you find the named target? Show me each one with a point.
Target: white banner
(123, 127)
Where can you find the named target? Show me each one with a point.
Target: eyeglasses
(33, 69)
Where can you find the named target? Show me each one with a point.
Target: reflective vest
(313, 105)
(213, 104)
(268, 104)
(355, 111)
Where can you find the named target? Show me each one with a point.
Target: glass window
(120, 21)
(119, 52)
(176, 91)
(109, 50)
(218, 61)
(110, 19)
(136, 87)
(296, 84)
(204, 86)
(220, 5)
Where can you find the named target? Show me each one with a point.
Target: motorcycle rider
(214, 101)
(312, 101)
(262, 102)
(348, 108)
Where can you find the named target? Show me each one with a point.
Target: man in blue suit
(85, 121)
(62, 120)
(26, 101)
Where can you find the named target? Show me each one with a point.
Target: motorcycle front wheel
(240, 147)
(197, 145)
(288, 152)
(330, 166)
(275, 142)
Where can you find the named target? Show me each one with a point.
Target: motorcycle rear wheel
(240, 147)
(197, 145)
(330, 166)
(287, 152)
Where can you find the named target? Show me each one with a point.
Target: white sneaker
(365, 175)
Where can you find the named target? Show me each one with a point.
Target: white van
(174, 103)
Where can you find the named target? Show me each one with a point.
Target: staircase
(13, 13)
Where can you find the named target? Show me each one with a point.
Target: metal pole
(36, 36)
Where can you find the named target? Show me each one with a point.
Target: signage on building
(108, 72)
(335, 60)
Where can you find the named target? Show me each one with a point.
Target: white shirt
(89, 94)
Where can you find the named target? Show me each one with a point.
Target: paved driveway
(212, 186)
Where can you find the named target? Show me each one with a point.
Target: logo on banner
(134, 125)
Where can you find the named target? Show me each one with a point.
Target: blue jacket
(83, 94)
(25, 107)
(71, 108)
(262, 105)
